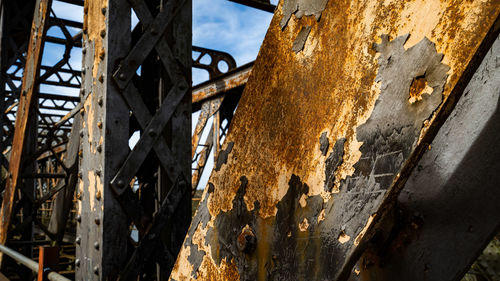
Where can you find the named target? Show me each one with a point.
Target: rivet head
(82, 92)
(81, 133)
(99, 101)
(84, 51)
(77, 262)
(98, 195)
(79, 196)
(152, 132)
(97, 221)
(78, 240)
(99, 148)
(96, 270)
(98, 172)
(101, 78)
(78, 218)
(103, 11)
(80, 174)
(96, 245)
(122, 76)
(120, 184)
(246, 241)
(154, 31)
(99, 124)
(103, 33)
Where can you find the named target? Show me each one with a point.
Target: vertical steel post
(102, 231)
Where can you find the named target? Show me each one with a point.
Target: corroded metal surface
(377, 79)
(25, 110)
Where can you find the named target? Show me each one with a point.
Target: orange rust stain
(94, 26)
(418, 87)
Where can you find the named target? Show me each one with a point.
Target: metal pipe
(33, 265)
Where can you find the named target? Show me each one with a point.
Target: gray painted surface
(450, 204)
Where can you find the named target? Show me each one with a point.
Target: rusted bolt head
(99, 148)
(96, 245)
(80, 174)
(96, 270)
(77, 262)
(246, 242)
(84, 51)
(78, 240)
(103, 33)
(98, 195)
(99, 101)
(99, 124)
(79, 196)
(101, 78)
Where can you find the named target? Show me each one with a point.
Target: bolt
(101, 78)
(103, 33)
(246, 241)
(84, 51)
(99, 148)
(99, 124)
(81, 133)
(152, 132)
(78, 218)
(97, 221)
(86, 9)
(98, 195)
(99, 101)
(96, 270)
(122, 76)
(96, 245)
(78, 240)
(77, 262)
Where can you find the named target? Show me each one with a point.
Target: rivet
(102, 54)
(122, 76)
(101, 78)
(103, 33)
(96, 270)
(84, 51)
(81, 133)
(154, 31)
(82, 111)
(84, 31)
(98, 195)
(99, 148)
(84, 70)
(120, 184)
(24, 93)
(151, 132)
(80, 153)
(99, 101)
(103, 11)
(77, 262)
(98, 172)
(80, 174)
(78, 218)
(86, 9)
(82, 92)
(96, 245)
(79, 196)
(78, 240)
(97, 221)
(99, 124)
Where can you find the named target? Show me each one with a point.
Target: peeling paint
(301, 8)
(301, 39)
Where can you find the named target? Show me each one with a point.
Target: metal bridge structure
(362, 143)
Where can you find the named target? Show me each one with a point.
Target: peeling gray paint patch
(323, 143)
(223, 154)
(300, 40)
(302, 8)
(332, 162)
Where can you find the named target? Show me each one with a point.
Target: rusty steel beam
(448, 210)
(28, 95)
(327, 133)
(222, 84)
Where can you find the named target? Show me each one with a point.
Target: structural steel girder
(343, 101)
(25, 112)
(116, 102)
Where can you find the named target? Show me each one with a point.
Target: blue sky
(217, 24)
